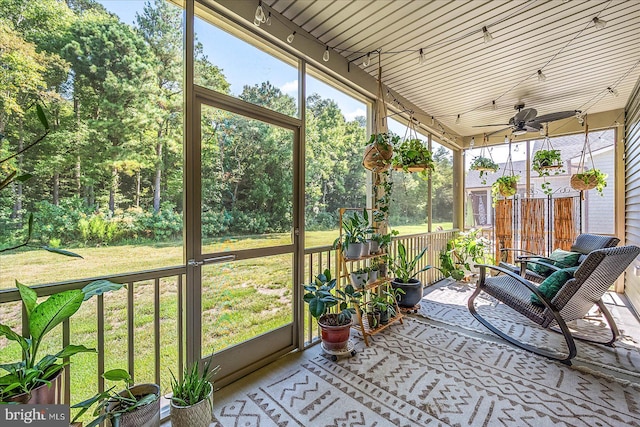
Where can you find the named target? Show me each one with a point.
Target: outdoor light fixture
(367, 60)
(290, 37)
(541, 76)
(486, 35)
(458, 119)
(260, 17)
(599, 23)
(612, 91)
(325, 55)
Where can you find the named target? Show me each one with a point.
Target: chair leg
(563, 326)
(615, 333)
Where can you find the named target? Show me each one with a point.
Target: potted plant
(405, 270)
(545, 162)
(355, 228)
(463, 250)
(379, 151)
(135, 406)
(376, 240)
(483, 165)
(322, 295)
(506, 186)
(411, 155)
(360, 277)
(192, 398)
(589, 179)
(39, 380)
(373, 273)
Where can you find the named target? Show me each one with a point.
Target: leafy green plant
(412, 153)
(322, 295)
(483, 165)
(110, 404)
(355, 228)
(195, 385)
(379, 151)
(506, 186)
(466, 248)
(594, 174)
(404, 268)
(546, 162)
(31, 372)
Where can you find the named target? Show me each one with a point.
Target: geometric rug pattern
(447, 303)
(419, 374)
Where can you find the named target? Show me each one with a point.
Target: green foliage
(483, 165)
(31, 372)
(599, 176)
(322, 295)
(403, 267)
(546, 162)
(463, 250)
(110, 404)
(506, 186)
(195, 385)
(412, 153)
(355, 228)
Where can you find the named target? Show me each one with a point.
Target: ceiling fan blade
(525, 115)
(499, 124)
(552, 117)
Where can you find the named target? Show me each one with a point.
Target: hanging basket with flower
(412, 155)
(379, 151)
(484, 163)
(587, 179)
(547, 161)
(507, 184)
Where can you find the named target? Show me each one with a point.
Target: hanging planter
(507, 184)
(588, 179)
(547, 161)
(483, 164)
(379, 151)
(411, 155)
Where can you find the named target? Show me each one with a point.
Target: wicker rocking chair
(584, 244)
(573, 301)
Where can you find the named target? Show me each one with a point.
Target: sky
(243, 64)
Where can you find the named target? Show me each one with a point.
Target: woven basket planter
(578, 183)
(197, 415)
(144, 416)
(376, 157)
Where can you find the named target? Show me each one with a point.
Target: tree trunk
(138, 185)
(114, 190)
(157, 182)
(56, 188)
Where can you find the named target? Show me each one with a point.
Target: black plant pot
(384, 317)
(412, 292)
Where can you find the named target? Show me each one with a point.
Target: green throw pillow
(552, 284)
(562, 259)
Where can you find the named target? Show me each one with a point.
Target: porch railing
(163, 325)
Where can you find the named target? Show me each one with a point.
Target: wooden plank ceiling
(462, 75)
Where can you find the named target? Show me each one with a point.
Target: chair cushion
(552, 284)
(561, 258)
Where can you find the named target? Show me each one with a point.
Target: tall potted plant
(34, 379)
(192, 398)
(405, 270)
(322, 295)
(463, 250)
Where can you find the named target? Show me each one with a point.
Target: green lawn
(240, 300)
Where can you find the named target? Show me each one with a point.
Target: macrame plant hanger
(382, 182)
(577, 182)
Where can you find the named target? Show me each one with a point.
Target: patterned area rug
(447, 303)
(418, 374)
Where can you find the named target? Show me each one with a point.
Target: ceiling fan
(527, 120)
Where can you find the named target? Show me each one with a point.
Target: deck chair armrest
(520, 280)
(517, 250)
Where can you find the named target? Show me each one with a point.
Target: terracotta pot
(335, 337)
(45, 394)
(197, 415)
(145, 416)
(412, 292)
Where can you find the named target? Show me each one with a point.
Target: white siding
(632, 191)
